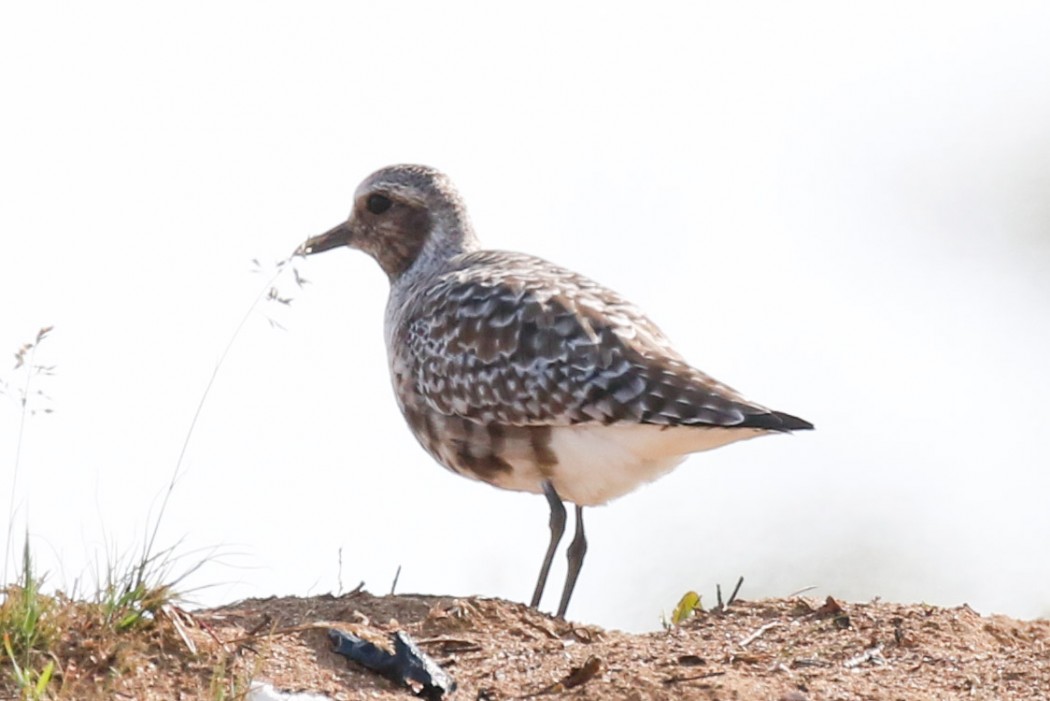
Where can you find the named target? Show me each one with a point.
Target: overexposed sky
(840, 209)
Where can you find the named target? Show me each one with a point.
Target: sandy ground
(779, 649)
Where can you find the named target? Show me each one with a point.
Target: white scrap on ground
(266, 692)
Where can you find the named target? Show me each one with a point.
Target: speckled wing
(512, 339)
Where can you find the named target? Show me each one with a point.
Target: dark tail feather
(775, 421)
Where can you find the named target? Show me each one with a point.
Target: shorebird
(523, 374)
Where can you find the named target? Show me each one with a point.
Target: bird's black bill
(333, 238)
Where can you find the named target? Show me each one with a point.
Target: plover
(525, 375)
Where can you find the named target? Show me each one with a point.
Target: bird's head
(399, 212)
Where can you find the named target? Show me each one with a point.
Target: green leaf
(689, 603)
(45, 679)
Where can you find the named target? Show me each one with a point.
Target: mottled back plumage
(513, 339)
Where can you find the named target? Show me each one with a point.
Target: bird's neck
(441, 248)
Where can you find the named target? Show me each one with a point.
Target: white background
(841, 209)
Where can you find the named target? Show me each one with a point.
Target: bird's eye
(377, 204)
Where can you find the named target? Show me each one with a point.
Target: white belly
(597, 463)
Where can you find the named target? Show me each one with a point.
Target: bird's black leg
(557, 530)
(577, 549)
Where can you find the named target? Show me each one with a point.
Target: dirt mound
(782, 649)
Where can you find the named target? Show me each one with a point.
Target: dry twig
(754, 636)
(720, 607)
(872, 654)
(577, 676)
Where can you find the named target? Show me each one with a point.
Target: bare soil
(779, 649)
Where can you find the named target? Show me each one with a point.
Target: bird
(525, 375)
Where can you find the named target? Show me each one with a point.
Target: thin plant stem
(28, 364)
(149, 544)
